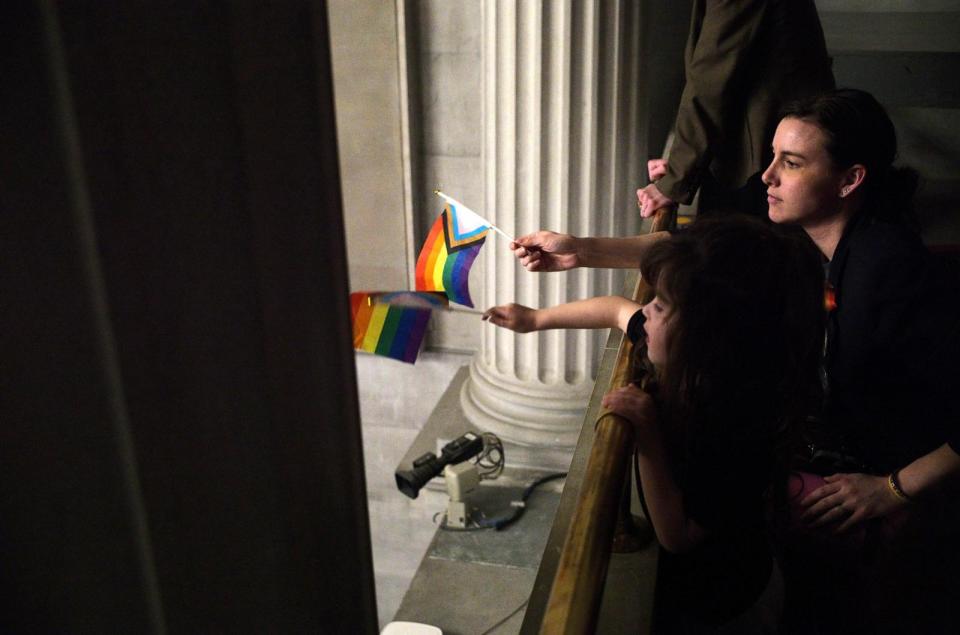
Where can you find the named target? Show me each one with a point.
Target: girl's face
(803, 186)
(657, 327)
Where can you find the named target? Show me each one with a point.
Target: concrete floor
(396, 400)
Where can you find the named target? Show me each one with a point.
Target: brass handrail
(574, 601)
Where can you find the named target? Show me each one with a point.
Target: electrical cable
(503, 621)
(636, 475)
(519, 507)
(491, 459)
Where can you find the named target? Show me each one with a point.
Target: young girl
(733, 336)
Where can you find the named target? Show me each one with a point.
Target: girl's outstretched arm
(610, 311)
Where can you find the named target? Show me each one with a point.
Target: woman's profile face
(657, 313)
(803, 185)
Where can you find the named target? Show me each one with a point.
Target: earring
(844, 191)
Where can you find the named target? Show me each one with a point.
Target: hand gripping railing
(574, 601)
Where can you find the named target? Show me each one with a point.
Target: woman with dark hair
(732, 333)
(891, 417)
(893, 318)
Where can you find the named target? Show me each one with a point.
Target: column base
(539, 424)
(524, 463)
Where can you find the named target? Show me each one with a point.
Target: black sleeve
(635, 326)
(903, 343)
(920, 330)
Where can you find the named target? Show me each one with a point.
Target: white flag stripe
(471, 220)
(467, 220)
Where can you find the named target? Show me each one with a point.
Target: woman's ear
(853, 178)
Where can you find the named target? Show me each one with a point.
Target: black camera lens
(410, 481)
(427, 465)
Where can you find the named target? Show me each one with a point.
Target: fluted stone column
(561, 151)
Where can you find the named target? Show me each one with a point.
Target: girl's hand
(637, 407)
(849, 499)
(515, 317)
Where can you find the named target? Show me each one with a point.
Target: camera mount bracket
(461, 479)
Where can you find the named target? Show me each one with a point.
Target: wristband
(894, 484)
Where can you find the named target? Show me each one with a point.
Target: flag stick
(454, 201)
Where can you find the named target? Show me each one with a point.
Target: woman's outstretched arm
(550, 251)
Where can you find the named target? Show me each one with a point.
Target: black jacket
(893, 344)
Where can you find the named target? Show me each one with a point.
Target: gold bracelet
(894, 485)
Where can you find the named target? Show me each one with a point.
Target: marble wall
(367, 89)
(906, 53)
(445, 47)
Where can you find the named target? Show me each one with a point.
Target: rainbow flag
(449, 251)
(392, 324)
